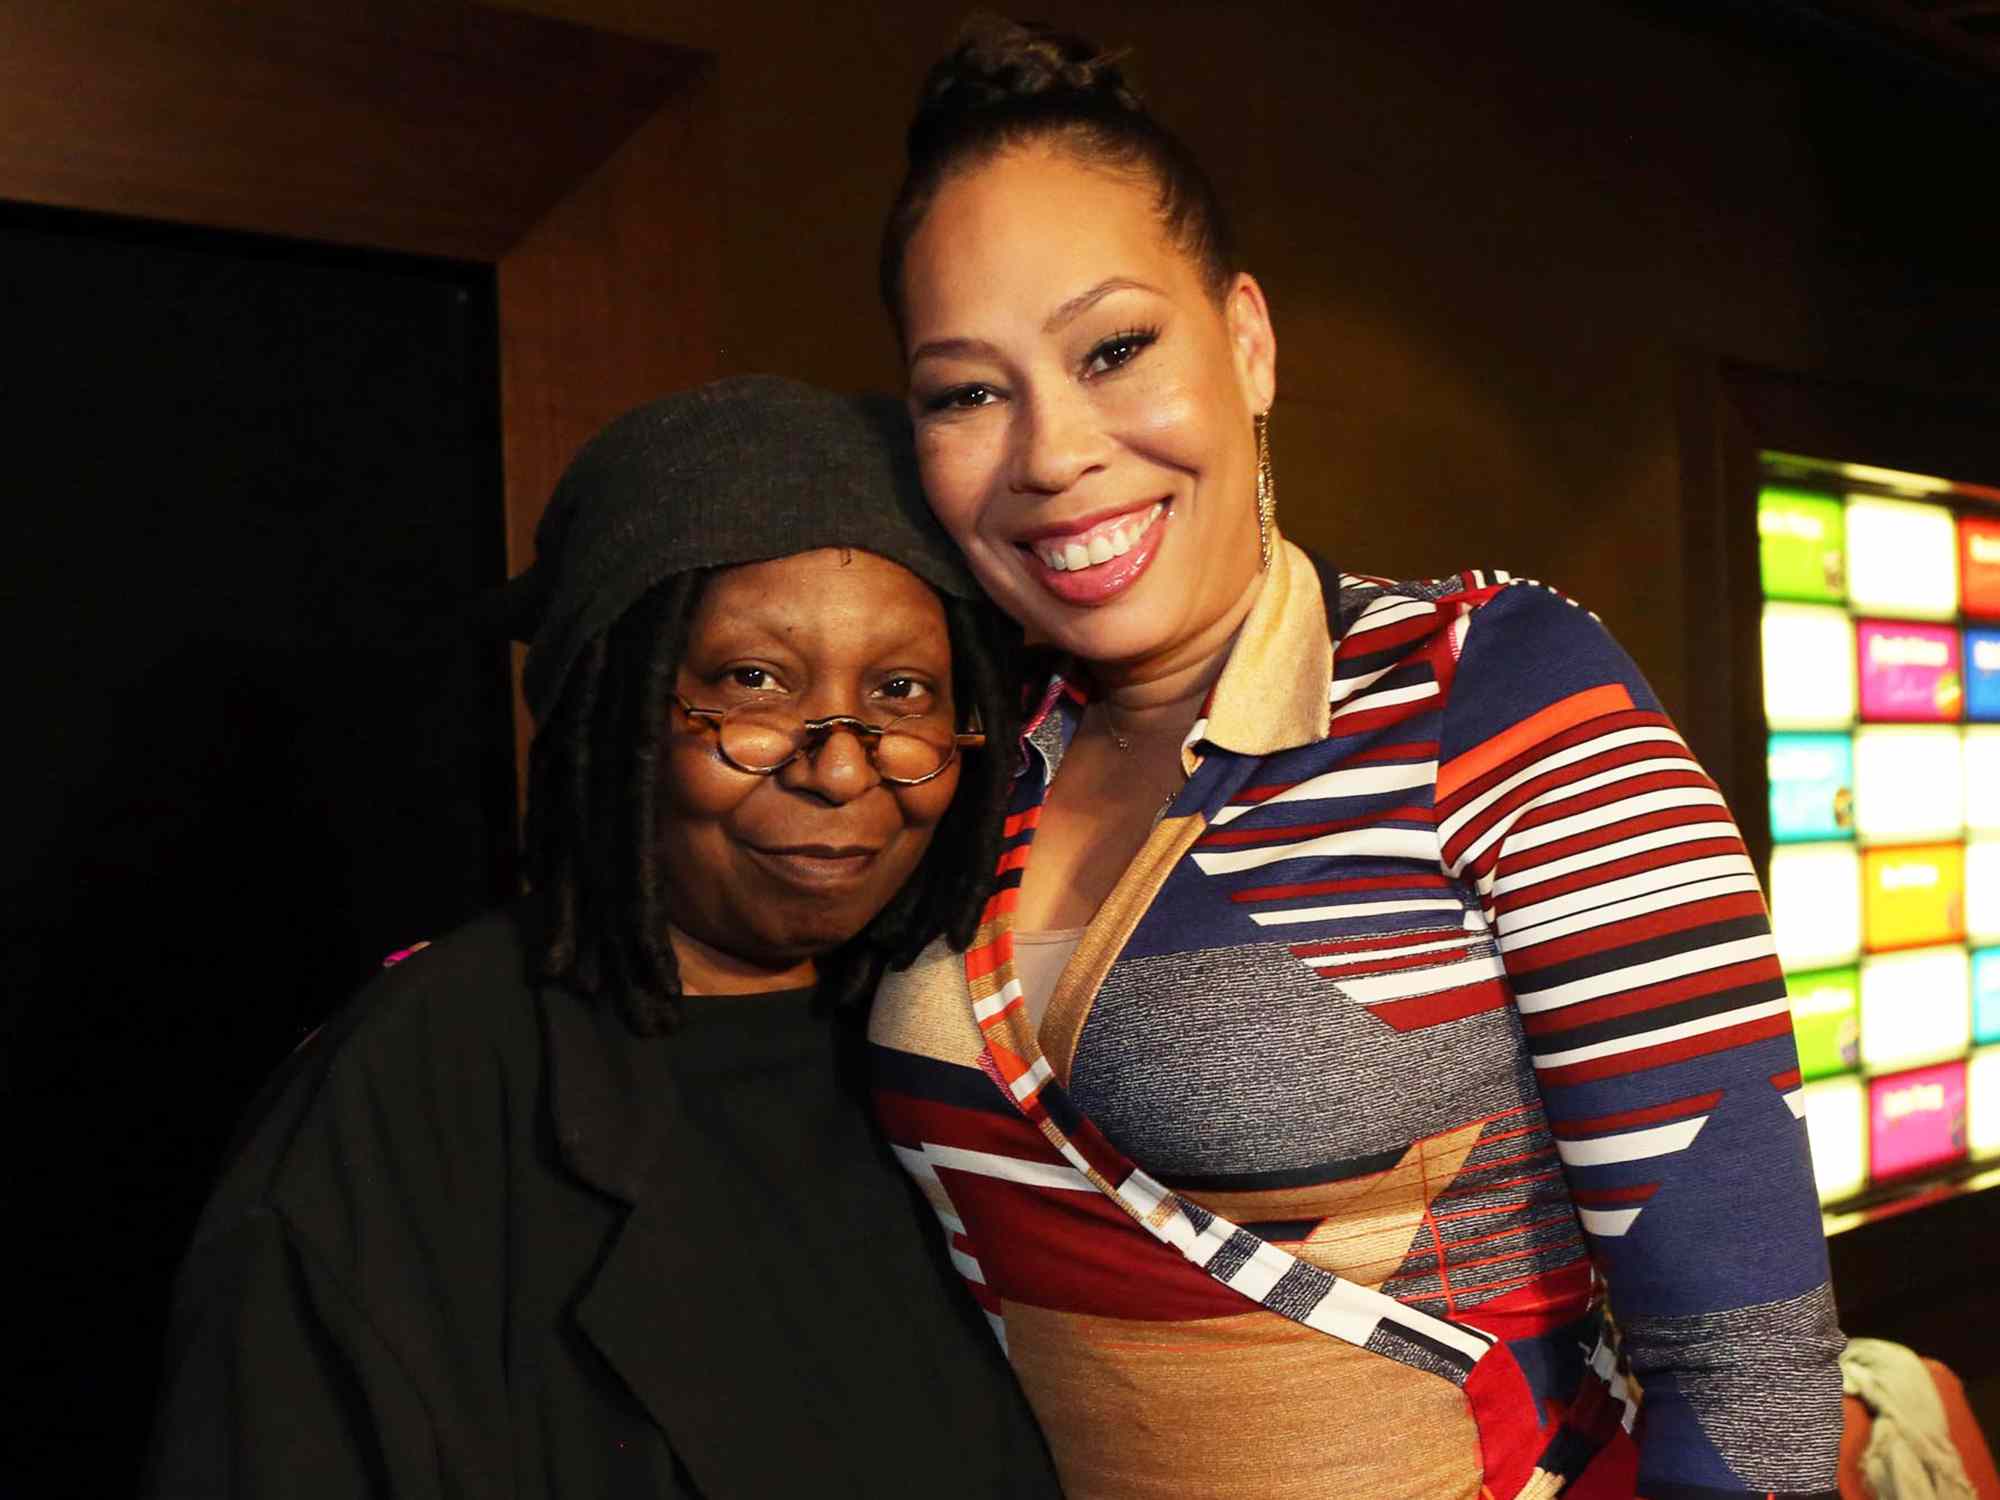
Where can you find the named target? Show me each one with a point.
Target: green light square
(1802, 540)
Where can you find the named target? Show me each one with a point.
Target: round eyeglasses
(763, 738)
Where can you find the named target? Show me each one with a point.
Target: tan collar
(1273, 692)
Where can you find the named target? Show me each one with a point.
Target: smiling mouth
(816, 864)
(1095, 545)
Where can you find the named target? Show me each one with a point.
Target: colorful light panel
(1812, 786)
(1881, 670)
(1979, 565)
(1982, 674)
(1902, 558)
(1982, 1102)
(1837, 1136)
(1909, 784)
(1802, 539)
(1916, 1119)
(1909, 672)
(1808, 667)
(1912, 897)
(1982, 780)
(1826, 1020)
(1982, 890)
(1816, 905)
(1915, 1008)
(1986, 995)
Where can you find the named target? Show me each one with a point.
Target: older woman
(579, 1200)
(1374, 976)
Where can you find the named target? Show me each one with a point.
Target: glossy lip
(1081, 527)
(1091, 587)
(816, 866)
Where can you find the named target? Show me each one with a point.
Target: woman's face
(1084, 408)
(767, 871)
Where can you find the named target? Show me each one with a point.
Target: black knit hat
(739, 471)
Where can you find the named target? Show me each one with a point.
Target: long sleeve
(1639, 953)
(277, 1385)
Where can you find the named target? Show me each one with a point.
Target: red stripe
(1021, 820)
(1389, 965)
(1415, 880)
(1227, 837)
(1372, 944)
(1607, 936)
(1596, 1197)
(1524, 860)
(1620, 868)
(1784, 1081)
(1553, 1023)
(1634, 1119)
(1447, 1005)
(1642, 1058)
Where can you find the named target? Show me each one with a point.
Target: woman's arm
(1637, 946)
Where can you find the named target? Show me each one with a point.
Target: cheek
(957, 469)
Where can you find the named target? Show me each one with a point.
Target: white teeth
(1067, 557)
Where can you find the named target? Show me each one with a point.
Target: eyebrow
(1068, 313)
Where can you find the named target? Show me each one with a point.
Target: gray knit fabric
(737, 471)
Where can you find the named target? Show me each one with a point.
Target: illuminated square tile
(1902, 558)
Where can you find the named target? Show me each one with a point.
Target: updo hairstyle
(1014, 83)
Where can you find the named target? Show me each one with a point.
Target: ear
(1252, 341)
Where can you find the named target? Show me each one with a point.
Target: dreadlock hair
(593, 777)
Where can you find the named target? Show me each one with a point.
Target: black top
(480, 1240)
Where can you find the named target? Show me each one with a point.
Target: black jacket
(464, 1250)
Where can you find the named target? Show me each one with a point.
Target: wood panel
(612, 299)
(440, 129)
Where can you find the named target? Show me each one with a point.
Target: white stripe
(1795, 1101)
(1555, 760)
(1632, 1145)
(1667, 799)
(1025, 1086)
(1340, 689)
(1569, 790)
(1353, 909)
(1338, 1315)
(1604, 854)
(968, 1267)
(1645, 883)
(1141, 1194)
(1514, 940)
(1638, 976)
(1384, 843)
(1373, 989)
(1607, 1222)
(1465, 1340)
(999, 1000)
(1045, 1174)
(1386, 697)
(1664, 1034)
(1375, 955)
(1257, 1275)
(999, 1327)
(1359, 781)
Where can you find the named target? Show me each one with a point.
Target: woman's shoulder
(418, 1061)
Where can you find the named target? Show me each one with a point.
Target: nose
(837, 770)
(1056, 444)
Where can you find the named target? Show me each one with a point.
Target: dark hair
(1009, 83)
(591, 842)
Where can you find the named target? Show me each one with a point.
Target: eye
(909, 694)
(747, 680)
(968, 397)
(1119, 350)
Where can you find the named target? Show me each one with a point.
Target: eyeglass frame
(817, 732)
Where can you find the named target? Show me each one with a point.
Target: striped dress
(1419, 1117)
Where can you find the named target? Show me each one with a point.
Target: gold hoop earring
(1267, 489)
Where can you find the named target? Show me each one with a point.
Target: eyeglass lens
(762, 739)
